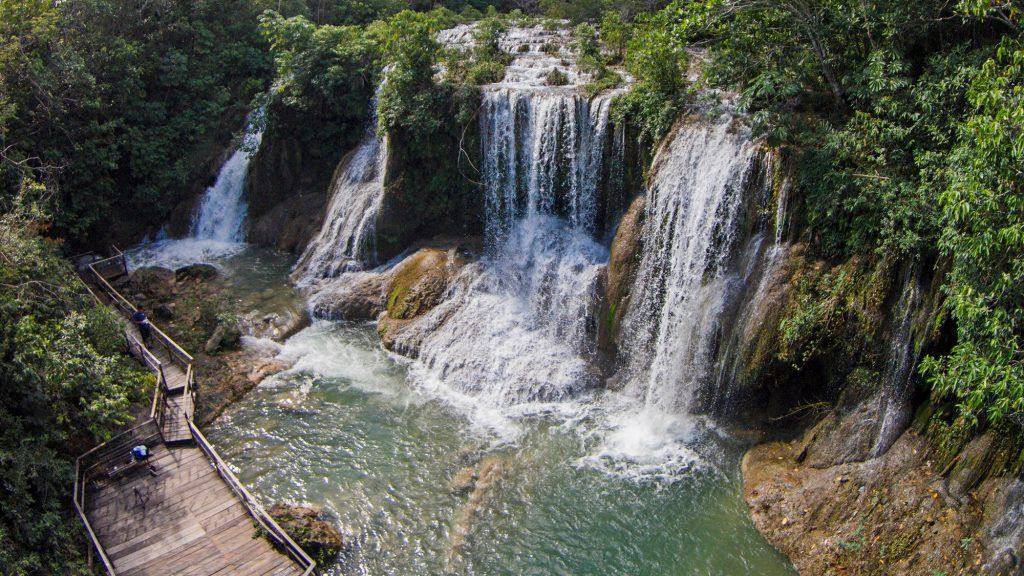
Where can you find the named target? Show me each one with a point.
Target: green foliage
(326, 79)
(904, 122)
(119, 105)
(658, 65)
(614, 33)
(66, 386)
(833, 314)
(486, 62)
(408, 99)
(591, 61)
(983, 234)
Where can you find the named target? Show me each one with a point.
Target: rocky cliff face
(894, 514)
(288, 185)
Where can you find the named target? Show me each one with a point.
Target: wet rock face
(888, 515)
(288, 184)
(353, 296)
(621, 272)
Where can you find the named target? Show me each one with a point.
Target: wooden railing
(266, 522)
(85, 467)
(117, 264)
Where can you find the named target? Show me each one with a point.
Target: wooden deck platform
(183, 512)
(183, 520)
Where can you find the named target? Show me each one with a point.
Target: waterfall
(222, 211)
(686, 277)
(345, 242)
(516, 327)
(894, 408)
(542, 154)
(217, 229)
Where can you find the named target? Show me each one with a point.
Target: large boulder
(154, 283)
(226, 336)
(415, 286)
(199, 272)
(353, 296)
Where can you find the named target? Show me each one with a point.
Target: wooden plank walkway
(184, 513)
(185, 520)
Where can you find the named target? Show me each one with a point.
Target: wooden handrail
(251, 503)
(78, 494)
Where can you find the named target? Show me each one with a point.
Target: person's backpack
(140, 452)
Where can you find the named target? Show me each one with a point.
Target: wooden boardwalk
(183, 512)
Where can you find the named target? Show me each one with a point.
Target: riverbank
(900, 513)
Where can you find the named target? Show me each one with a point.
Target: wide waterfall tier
(704, 252)
(346, 239)
(519, 326)
(536, 51)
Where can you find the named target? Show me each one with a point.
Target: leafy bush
(658, 65)
(983, 234)
(66, 386)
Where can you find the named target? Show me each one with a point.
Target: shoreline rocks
(895, 514)
(311, 530)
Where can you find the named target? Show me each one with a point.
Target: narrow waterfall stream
(218, 225)
(345, 242)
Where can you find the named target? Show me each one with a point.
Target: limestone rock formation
(620, 274)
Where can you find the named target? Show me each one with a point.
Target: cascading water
(517, 326)
(217, 229)
(222, 211)
(345, 242)
(693, 229)
(894, 410)
(705, 252)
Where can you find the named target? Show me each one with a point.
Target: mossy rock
(621, 272)
(320, 538)
(419, 282)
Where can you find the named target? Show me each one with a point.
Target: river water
(348, 429)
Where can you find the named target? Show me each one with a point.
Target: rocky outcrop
(896, 514)
(619, 276)
(431, 181)
(287, 193)
(310, 529)
(400, 296)
(414, 287)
